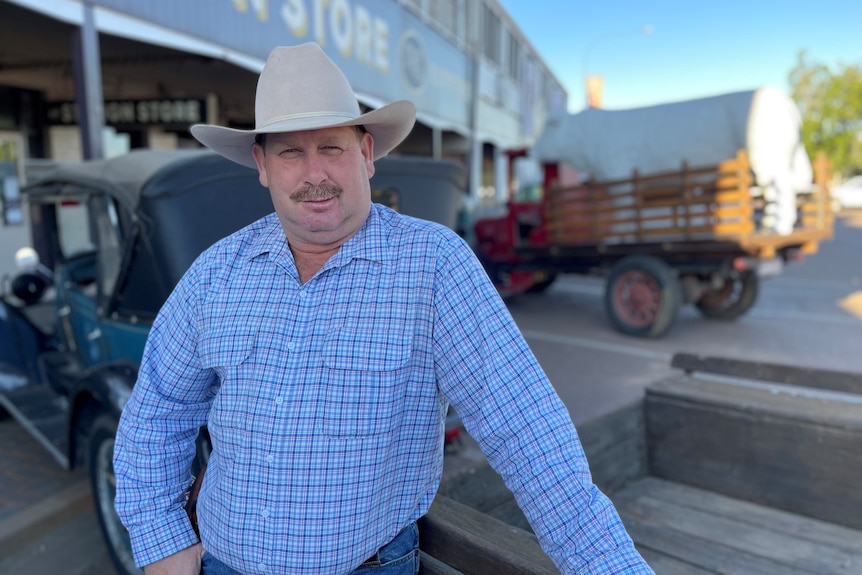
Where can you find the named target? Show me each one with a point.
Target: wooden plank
(790, 524)
(797, 237)
(743, 228)
(605, 213)
(699, 171)
(778, 373)
(431, 566)
(617, 227)
(701, 204)
(761, 399)
(705, 555)
(733, 181)
(473, 542)
(480, 487)
(794, 452)
(741, 211)
(508, 512)
(729, 532)
(666, 565)
(615, 446)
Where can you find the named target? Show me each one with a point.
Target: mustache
(316, 192)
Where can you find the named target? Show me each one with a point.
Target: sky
(690, 48)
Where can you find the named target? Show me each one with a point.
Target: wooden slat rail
(465, 540)
(847, 382)
(666, 204)
(693, 203)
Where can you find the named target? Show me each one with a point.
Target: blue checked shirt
(326, 404)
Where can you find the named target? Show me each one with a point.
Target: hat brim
(388, 126)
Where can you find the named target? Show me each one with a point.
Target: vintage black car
(110, 240)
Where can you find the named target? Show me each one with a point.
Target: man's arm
(155, 440)
(506, 402)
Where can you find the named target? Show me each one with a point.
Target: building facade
(93, 78)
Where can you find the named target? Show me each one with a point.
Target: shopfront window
(10, 179)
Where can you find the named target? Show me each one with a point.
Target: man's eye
(331, 150)
(288, 152)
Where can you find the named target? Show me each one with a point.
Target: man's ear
(368, 152)
(259, 158)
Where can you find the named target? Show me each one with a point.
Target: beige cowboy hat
(300, 88)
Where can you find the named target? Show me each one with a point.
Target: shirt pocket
(229, 355)
(364, 381)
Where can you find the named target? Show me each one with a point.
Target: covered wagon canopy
(610, 144)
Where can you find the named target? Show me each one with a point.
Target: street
(810, 315)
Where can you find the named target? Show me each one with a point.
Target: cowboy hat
(300, 88)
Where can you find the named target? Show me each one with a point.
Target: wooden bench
(711, 473)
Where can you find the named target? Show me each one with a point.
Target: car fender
(101, 390)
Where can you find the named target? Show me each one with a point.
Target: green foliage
(831, 107)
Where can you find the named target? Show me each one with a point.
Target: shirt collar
(370, 242)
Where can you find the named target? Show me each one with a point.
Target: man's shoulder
(246, 241)
(402, 228)
(235, 250)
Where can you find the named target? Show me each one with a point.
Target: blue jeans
(398, 557)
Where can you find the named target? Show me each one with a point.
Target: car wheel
(104, 485)
(732, 299)
(642, 296)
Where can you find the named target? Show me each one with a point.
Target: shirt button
(270, 458)
(264, 513)
(290, 346)
(279, 400)
(303, 293)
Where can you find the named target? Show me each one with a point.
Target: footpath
(47, 521)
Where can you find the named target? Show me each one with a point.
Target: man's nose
(315, 171)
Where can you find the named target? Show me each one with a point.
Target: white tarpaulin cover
(610, 144)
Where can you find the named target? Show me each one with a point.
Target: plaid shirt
(326, 403)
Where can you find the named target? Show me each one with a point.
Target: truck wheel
(642, 296)
(732, 299)
(101, 452)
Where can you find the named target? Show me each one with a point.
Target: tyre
(100, 461)
(732, 299)
(544, 281)
(642, 296)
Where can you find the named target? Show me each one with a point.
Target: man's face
(318, 181)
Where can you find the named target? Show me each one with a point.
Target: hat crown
(299, 89)
(301, 82)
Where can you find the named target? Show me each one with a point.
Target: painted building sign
(164, 112)
(386, 52)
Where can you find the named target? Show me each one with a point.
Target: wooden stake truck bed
(712, 473)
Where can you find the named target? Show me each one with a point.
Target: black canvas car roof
(125, 177)
(180, 202)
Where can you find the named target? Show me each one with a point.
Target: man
(322, 346)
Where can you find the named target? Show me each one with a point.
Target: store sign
(127, 113)
(353, 30)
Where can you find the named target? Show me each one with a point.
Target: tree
(830, 104)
